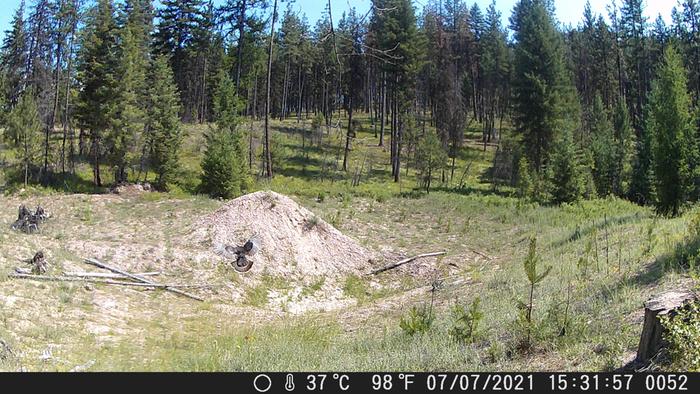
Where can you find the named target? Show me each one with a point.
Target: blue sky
(568, 11)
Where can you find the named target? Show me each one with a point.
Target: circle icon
(260, 385)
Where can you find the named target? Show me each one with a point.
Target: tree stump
(28, 221)
(39, 263)
(663, 304)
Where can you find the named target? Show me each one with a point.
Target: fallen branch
(103, 281)
(406, 261)
(482, 254)
(101, 275)
(105, 275)
(140, 278)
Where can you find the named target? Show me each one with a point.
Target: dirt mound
(292, 240)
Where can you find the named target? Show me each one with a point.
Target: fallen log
(668, 303)
(103, 281)
(140, 278)
(101, 275)
(406, 261)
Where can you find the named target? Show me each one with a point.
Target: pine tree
(354, 72)
(624, 149)
(180, 25)
(164, 123)
(689, 19)
(524, 184)
(603, 148)
(672, 126)
(96, 75)
(642, 184)
(565, 171)
(239, 15)
(396, 33)
(24, 126)
(14, 58)
(224, 166)
(225, 173)
(545, 102)
(633, 25)
(128, 117)
(227, 104)
(495, 65)
(430, 158)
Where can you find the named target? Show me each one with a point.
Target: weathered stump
(651, 341)
(28, 221)
(39, 263)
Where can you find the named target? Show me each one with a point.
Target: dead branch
(406, 261)
(484, 255)
(103, 281)
(105, 275)
(139, 278)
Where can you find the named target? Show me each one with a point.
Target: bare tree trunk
(285, 90)
(348, 136)
(96, 162)
(241, 41)
(250, 132)
(268, 154)
(66, 115)
(301, 87)
(383, 110)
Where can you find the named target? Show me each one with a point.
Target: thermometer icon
(289, 383)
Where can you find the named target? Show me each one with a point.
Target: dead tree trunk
(667, 303)
(268, 154)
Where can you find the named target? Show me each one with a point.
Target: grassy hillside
(607, 257)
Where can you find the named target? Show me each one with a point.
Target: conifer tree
(96, 75)
(25, 126)
(430, 158)
(224, 166)
(672, 126)
(164, 123)
(13, 58)
(642, 182)
(624, 149)
(128, 117)
(564, 170)
(545, 102)
(603, 148)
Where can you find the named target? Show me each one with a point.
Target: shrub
(683, 337)
(418, 321)
(312, 222)
(466, 320)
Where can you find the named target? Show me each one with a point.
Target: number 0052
(669, 382)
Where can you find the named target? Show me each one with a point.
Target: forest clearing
(313, 319)
(191, 185)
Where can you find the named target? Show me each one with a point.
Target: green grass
(257, 296)
(484, 232)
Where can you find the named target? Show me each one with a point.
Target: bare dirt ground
(303, 267)
(294, 242)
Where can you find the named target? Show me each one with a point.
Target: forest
(606, 107)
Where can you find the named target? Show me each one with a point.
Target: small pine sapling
(534, 278)
(466, 320)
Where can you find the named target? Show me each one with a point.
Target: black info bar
(341, 382)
